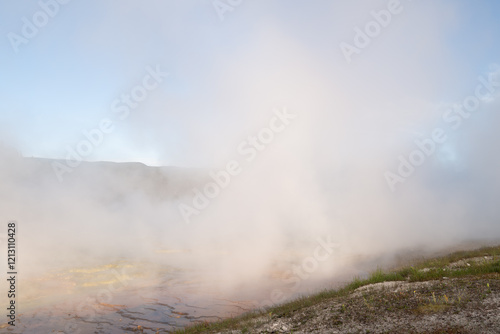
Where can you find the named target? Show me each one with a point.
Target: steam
(322, 176)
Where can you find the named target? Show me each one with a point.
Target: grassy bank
(476, 264)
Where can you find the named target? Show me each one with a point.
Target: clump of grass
(432, 308)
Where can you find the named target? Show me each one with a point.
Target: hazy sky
(263, 54)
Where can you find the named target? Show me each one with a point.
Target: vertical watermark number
(11, 271)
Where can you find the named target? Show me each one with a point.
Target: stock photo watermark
(299, 273)
(248, 149)
(224, 6)
(32, 26)
(454, 116)
(121, 107)
(371, 30)
(11, 239)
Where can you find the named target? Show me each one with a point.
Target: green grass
(409, 273)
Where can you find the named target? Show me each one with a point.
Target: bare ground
(459, 305)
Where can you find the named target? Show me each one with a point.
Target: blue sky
(225, 75)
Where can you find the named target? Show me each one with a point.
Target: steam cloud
(323, 175)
